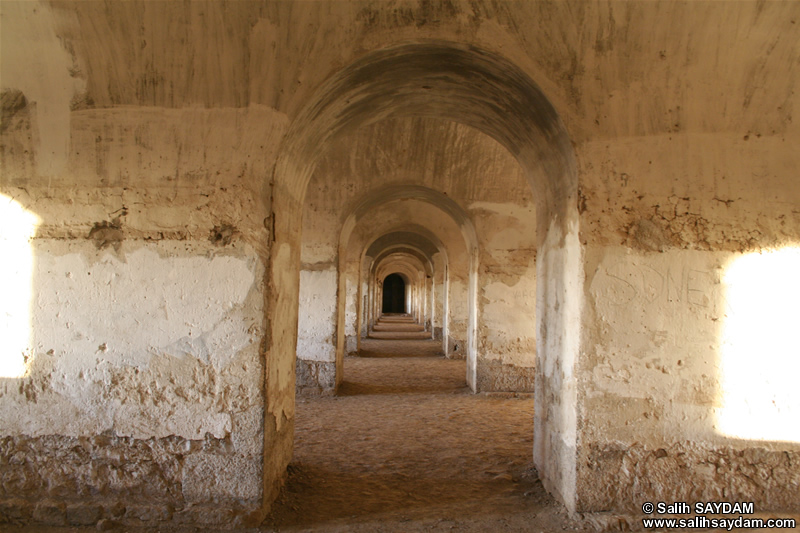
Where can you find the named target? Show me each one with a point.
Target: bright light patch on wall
(17, 228)
(760, 349)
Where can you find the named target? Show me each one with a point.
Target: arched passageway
(382, 223)
(388, 219)
(158, 291)
(481, 90)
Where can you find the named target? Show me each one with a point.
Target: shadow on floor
(405, 446)
(352, 388)
(401, 348)
(389, 494)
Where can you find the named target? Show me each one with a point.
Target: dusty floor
(407, 447)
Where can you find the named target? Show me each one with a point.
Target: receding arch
(390, 193)
(421, 243)
(417, 240)
(455, 81)
(383, 196)
(408, 249)
(482, 89)
(416, 235)
(414, 270)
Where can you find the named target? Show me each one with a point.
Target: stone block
(83, 515)
(50, 513)
(15, 510)
(315, 377)
(212, 478)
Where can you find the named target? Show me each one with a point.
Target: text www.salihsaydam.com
(719, 523)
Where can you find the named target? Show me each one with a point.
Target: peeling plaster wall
(507, 296)
(660, 304)
(146, 356)
(440, 293)
(316, 330)
(655, 384)
(143, 399)
(458, 306)
(351, 308)
(559, 311)
(154, 310)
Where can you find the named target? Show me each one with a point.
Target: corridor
(463, 265)
(405, 446)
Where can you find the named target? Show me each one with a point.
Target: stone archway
(464, 232)
(480, 89)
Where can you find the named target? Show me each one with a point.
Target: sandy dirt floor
(406, 446)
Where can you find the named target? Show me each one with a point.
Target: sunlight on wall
(17, 228)
(760, 352)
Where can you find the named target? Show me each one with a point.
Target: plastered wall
(141, 371)
(506, 297)
(688, 292)
(316, 330)
(140, 394)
